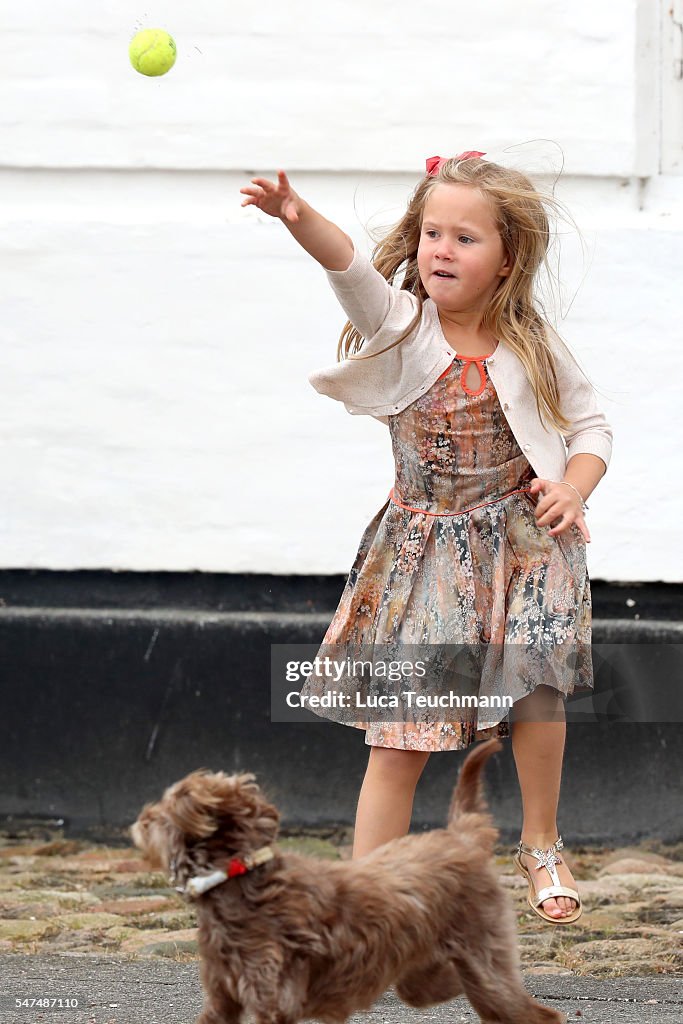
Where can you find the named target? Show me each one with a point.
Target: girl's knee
(544, 704)
(394, 761)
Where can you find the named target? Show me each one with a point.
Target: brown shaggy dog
(296, 937)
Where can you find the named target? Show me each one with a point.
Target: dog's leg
(219, 1005)
(219, 1009)
(426, 986)
(498, 995)
(277, 1014)
(277, 996)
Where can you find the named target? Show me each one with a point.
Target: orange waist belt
(464, 512)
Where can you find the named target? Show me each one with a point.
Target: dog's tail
(468, 796)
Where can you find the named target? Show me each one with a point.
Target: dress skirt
(455, 557)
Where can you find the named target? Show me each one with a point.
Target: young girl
(482, 540)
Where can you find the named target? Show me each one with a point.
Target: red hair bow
(434, 163)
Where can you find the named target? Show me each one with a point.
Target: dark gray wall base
(254, 592)
(102, 708)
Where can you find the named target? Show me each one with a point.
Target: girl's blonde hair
(512, 314)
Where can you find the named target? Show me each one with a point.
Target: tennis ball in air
(152, 52)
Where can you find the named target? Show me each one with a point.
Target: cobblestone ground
(79, 898)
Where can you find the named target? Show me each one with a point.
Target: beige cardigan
(386, 384)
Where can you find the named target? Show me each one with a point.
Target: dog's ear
(192, 803)
(205, 800)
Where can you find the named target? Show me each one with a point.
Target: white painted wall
(156, 338)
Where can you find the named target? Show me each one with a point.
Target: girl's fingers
(265, 185)
(547, 515)
(581, 523)
(538, 486)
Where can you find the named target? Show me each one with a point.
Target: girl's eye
(431, 231)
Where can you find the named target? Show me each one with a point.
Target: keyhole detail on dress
(473, 378)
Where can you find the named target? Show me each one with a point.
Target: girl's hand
(276, 200)
(558, 502)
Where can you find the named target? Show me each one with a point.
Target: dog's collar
(199, 884)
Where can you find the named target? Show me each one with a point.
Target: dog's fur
(300, 937)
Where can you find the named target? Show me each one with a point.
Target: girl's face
(459, 238)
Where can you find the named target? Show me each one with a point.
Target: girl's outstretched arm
(326, 243)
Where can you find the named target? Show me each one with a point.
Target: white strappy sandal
(547, 859)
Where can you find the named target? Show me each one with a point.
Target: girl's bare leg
(385, 803)
(538, 749)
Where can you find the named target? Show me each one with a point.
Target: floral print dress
(487, 576)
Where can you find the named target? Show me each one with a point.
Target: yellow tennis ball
(152, 52)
